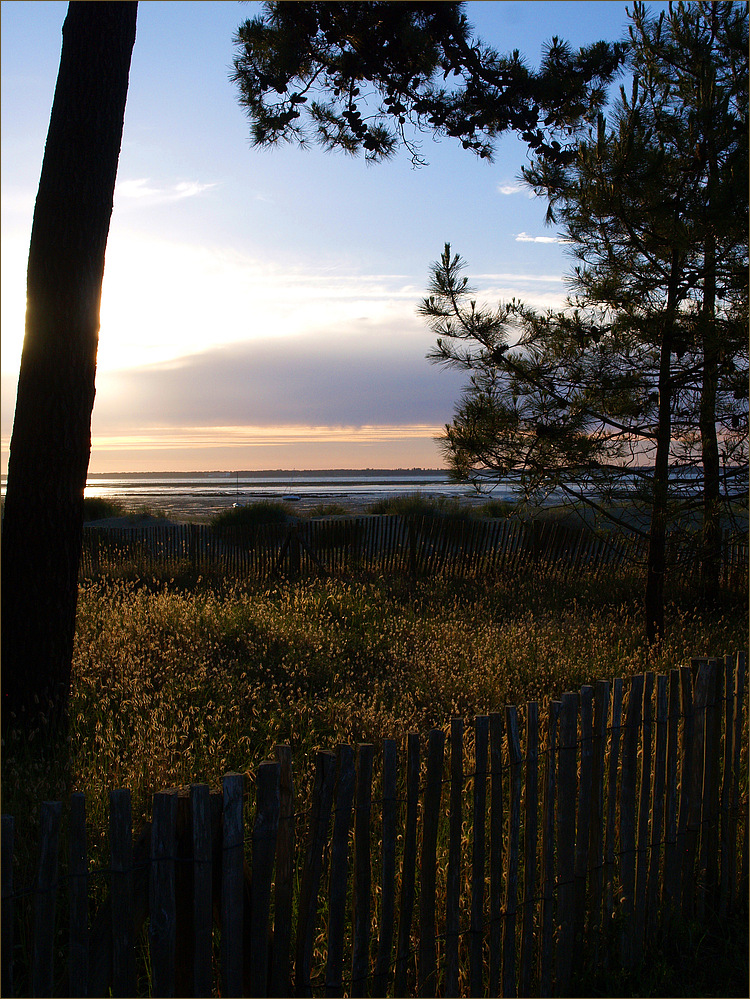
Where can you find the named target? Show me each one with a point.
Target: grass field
(173, 685)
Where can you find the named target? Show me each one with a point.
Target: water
(201, 495)
(205, 494)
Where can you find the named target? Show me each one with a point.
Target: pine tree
(645, 367)
(370, 77)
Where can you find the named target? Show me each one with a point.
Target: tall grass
(417, 504)
(98, 507)
(259, 512)
(178, 685)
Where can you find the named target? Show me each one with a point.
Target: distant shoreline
(200, 495)
(275, 472)
(266, 473)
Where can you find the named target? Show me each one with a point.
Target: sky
(259, 307)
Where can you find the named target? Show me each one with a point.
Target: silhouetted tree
(51, 440)
(397, 52)
(648, 364)
(368, 77)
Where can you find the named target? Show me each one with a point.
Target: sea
(202, 494)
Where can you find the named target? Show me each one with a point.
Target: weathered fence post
(612, 771)
(345, 781)
(388, 879)
(481, 743)
(566, 842)
(496, 850)
(686, 783)
(412, 528)
(657, 808)
(200, 834)
(514, 833)
(294, 554)
(162, 908)
(193, 545)
(325, 773)
(46, 896)
(628, 816)
(530, 837)
(596, 834)
(121, 847)
(408, 865)
(642, 848)
(453, 886)
(726, 784)
(734, 808)
(282, 927)
(583, 822)
(78, 960)
(693, 828)
(548, 855)
(232, 886)
(670, 896)
(362, 869)
(427, 941)
(710, 848)
(265, 828)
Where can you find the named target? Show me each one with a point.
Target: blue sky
(259, 306)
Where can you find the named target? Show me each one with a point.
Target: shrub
(146, 511)
(98, 507)
(329, 510)
(496, 508)
(261, 512)
(419, 505)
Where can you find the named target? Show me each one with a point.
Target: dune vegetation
(173, 685)
(176, 683)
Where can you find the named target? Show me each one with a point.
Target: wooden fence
(482, 870)
(377, 544)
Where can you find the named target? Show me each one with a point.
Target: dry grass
(173, 685)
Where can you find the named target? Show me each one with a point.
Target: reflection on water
(208, 493)
(200, 495)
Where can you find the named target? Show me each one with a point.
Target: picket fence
(385, 544)
(622, 814)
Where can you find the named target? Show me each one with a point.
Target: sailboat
(237, 502)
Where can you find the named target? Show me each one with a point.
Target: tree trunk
(711, 541)
(51, 441)
(657, 542)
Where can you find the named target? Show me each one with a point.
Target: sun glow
(162, 300)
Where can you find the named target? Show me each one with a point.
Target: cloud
(367, 374)
(520, 278)
(164, 299)
(161, 438)
(142, 192)
(523, 237)
(515, 187)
